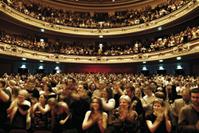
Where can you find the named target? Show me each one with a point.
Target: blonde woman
(123, 119)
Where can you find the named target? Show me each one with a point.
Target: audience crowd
(98, 20)
(99, 103)
(79, 48)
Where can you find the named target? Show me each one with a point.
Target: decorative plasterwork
(185, 49)
(97, 32)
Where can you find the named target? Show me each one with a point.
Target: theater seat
(18, 131)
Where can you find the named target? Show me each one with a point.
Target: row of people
(71, 48)
(98, 20)
(99, 103)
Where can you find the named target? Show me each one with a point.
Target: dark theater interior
(99, 66)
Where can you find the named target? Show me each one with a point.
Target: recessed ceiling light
(24, 59)
(144, 68)
(41, 40)
(57, 68)
(179, 58)
(179, 67)
(41, 67)
(161, 68)
(23, 66)
(101, 36)
(42, 30)
(160, 28)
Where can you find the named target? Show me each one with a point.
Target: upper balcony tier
(100, 28)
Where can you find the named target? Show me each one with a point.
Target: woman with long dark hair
(95, 120)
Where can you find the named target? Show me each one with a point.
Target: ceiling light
(23, 66)
(144, 68)
(101, 36)
(24, 59)
(57, 68)
(179, 58)
(179, 67)
(161, 68)
(41, 67)
(42, 30)
(160, 28)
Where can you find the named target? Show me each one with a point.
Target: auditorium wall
(12, 65)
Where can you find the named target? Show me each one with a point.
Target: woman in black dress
(159, 121)
(95, 120)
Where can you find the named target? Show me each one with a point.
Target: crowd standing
(99, 103)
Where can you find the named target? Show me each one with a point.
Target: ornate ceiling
(100, 5)
(99, 1)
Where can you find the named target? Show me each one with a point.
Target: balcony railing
(182, 50)
(96, 32)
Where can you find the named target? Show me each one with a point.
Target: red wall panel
(102, 68)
